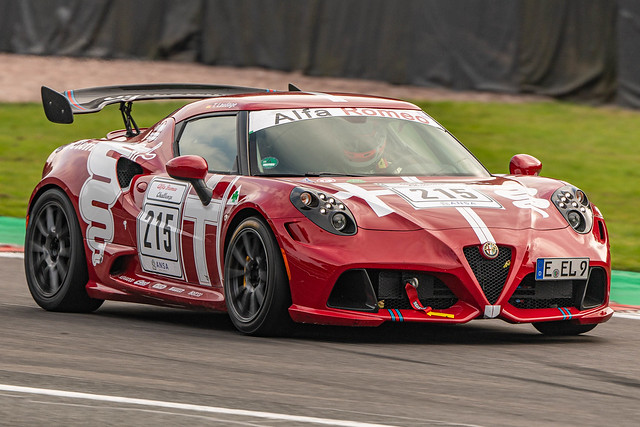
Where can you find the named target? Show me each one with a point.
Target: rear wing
(60, 107)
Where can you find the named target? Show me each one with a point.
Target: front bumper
(318, 263)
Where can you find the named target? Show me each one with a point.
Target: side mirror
(192, 169)
(524, 164)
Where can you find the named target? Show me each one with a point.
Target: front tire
(256, 287)
(563, 328)
(54, 258)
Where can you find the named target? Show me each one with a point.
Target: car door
(215, 138)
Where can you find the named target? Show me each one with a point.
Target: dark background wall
(584, 50)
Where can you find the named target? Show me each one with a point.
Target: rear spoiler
(61, 107)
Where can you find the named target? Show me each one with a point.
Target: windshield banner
(259, 120)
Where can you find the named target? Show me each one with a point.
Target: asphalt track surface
(130, 364)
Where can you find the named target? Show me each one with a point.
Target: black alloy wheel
(256, 286)
(54, 257)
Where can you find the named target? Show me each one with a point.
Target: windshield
(355, 142)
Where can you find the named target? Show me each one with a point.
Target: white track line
(185, 406)
(11, 255)
(635, 315)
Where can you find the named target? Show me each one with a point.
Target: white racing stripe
(185, 406)
(477, 224)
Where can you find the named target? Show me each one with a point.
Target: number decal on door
(163, 231)
(158, 232)
(158, 227)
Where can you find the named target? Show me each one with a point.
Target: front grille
(490, 273)
(390, 289)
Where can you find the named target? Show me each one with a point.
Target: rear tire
(256, 288)
(54, 258)
(563, 328)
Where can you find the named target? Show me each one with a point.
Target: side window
(213, 138)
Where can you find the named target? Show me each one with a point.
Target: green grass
(593, 148)
(27, 138)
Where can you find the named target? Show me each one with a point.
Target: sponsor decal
(159, 286)
(269, 162)
(166, 191)
(176, 289)
(325, 180)
(259, 120)
(155, 133)
(523, 197)
(228, 105)
(98, 195)
(83, 145)
(160, 266)
(233, 200)
(126, 279)
(101, 190)
(195, 294)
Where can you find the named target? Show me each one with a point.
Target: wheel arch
(43, 188)
(238, 217)
(241, 215)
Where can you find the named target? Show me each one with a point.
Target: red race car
(283, 207)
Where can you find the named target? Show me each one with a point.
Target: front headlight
(324, 210)
(574, 205)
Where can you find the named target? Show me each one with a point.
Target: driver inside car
(369, 149)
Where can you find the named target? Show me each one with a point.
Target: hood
(411, 203)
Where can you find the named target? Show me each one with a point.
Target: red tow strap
(412, 293)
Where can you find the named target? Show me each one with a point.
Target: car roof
(287, 100)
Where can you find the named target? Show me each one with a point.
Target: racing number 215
(158, 228)
(449, 193)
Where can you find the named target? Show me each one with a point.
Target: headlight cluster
(574, 205)
(324, 210)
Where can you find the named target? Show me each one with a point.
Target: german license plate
(562, 268)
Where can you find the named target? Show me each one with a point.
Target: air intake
(126, 170)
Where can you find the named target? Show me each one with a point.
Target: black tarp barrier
(575, 49)
(628, 26)
(568, 48)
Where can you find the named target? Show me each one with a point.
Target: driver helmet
(365, 149)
